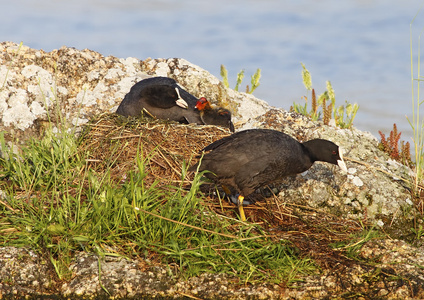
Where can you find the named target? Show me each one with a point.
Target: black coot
(214, 116)
(162, 98)
(250, 159)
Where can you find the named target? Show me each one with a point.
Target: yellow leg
(240, 207)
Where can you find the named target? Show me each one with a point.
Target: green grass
(55, 204)
(417, 122)
(352, 248)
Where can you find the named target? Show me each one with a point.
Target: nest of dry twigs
(114, 142)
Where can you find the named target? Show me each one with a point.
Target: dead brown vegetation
(390, 145)
(115, 142)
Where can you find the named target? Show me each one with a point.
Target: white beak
(341, 162)
(180, 101)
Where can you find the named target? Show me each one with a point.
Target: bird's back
(252, 158)
(154, 94)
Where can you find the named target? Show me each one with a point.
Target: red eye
(334, 152)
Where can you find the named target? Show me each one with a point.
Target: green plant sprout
(345, 121)
(303, 109)
(418, 232)
(254, 80)
(314, 114)
(343, 115)
(306, 77)
(240, 77)
(224, 75)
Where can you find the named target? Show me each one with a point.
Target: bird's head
(203, 104)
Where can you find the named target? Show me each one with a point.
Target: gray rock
(395, 274)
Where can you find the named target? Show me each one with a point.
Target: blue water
(362, 47)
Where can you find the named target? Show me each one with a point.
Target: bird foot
(240, 207)
(235, 200)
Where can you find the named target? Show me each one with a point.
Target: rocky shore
(37, 87)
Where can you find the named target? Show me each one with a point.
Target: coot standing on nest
(214, 116)
(250, 159)
(162, 98)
